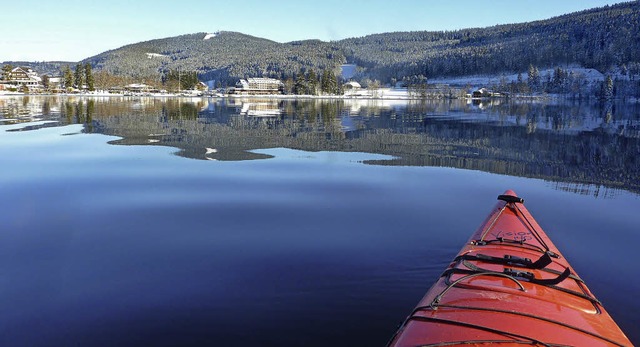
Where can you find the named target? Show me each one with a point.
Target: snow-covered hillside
(590, 75)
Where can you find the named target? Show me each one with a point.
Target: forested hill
(605, 38)
(223, 55)
(602, 38)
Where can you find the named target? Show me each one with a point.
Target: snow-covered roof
(353, 84)
(137, 86)
(262, 80)
(31, 75)
(243, 84)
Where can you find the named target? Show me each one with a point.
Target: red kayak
(509, 286)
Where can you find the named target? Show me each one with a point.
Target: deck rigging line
(528, 315)
(480, 327)
(471, 268)
(475, 342)
(512, 202)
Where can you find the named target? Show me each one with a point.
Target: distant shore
(378, 94)
(364, 94)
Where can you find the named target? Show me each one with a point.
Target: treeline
(81, 78)
(572, 84)
(310, 83)
(176, 80)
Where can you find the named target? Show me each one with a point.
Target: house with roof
(486, 93)
(24, 76)
(353, 88)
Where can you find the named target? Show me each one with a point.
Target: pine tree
(337, 85)
(324, 82)
(533, 78)
(68, 77)
(78, 76)
(328, 83)
(300, 86)
(332, 83)
(559, 81)
(312, 82)
(88, 77)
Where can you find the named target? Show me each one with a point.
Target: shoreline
(396, 95)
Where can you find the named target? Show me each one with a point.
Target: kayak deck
(509, 285)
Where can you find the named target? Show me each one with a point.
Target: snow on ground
(210, 35)
(155, 55)
(394, 93)
(590, 75)
(380, 93)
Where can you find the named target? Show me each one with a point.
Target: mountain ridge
(604, 38)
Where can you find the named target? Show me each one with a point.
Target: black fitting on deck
(510, 198)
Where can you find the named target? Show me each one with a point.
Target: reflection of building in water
(258, 86)
(357, 106)
(27, 109)
(483, 103)
(260, 109)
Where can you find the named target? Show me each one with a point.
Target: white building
(258, 86)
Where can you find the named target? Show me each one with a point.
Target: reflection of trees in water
(572, 142)
(592, 157)
(79, 112)
(585, 189)
(174, 109)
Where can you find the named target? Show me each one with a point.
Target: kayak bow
(509, 285)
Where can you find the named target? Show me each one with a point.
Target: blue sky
(71, 30)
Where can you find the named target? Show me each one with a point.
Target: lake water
(202, 222)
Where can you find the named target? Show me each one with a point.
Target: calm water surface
(195, 222)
